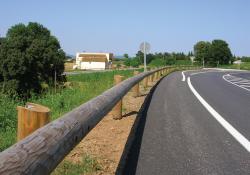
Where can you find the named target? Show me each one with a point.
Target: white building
(93, 61)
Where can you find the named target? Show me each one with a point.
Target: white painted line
(243, 81)
(243, 85)
(226, 70)
(235, 84)
(246, 83)
(196, 73)
(183, 76)
(236, 79)
(238, 136)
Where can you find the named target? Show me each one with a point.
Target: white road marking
(237, 135)
(196, 73)
(236, 79)
(243, 81)
(234, 83)
(245, 85)
(183, 76)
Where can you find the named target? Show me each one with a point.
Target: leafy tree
(245, 59)
(140, 56)
(1, 40)
(29, 56)
(149, 58)
(202, 51)
(126, 55)
(220, 52)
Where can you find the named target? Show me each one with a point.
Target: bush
(29, 55)
(135, 62)
(157, 62)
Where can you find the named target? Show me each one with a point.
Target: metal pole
(203, 63)
(145, 66)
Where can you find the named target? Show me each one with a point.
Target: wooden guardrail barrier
(44, 149)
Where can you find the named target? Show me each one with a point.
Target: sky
(119, 26)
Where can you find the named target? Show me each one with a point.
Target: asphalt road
(180, 135)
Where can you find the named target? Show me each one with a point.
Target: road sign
(144, 48)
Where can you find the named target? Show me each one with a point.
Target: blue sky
(119, 26)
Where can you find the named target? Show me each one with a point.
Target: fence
(44, 149)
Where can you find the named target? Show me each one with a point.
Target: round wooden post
(136, 89)
(158, 75)
(145, 82)
(155, 76)
(117, 110)
(152, 77)
(30, 118)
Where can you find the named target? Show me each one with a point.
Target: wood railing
(43, 150)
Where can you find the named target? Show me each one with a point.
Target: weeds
(87, 165)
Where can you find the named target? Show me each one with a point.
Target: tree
(202, 51)
(29, 56)
(126, 55)
(140, 56)
(1, 40)
(220, 52)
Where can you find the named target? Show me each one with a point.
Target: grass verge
(82, 88)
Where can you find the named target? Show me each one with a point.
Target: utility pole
(145, 47)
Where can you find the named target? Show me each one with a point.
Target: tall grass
(83, 88)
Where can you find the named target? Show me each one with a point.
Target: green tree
(29, 56)
(140, 56)
(221, 52)
(126, 55)
(202, 51)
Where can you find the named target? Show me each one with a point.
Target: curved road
(197, 122)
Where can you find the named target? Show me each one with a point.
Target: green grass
(87, 165)
(84, 87)
(243, 66)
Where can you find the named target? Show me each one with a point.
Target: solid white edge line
(183, 76)
(238, 136)
(234, 83)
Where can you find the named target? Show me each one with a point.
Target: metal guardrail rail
(43, 150)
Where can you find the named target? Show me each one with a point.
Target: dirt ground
(107, 140)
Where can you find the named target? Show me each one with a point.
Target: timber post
(117, 110)
(30, 118)
(136, 88)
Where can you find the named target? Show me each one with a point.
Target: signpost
(144, 48)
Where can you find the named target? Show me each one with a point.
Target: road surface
(197, 122)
